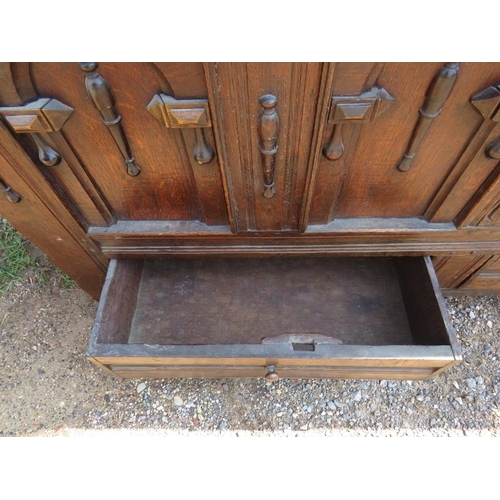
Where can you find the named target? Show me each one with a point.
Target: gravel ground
(47, 387)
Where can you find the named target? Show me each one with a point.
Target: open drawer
(277, 317)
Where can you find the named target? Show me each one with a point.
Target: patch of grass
(65, 281)
(15, 257)
(20, 260)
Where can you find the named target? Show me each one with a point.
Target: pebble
(420, 398)
(222, 426)
(338, 404)
(489, 324)
(470, 383)
(455, 384)
(331, 405)
(178, 401)
(141, 387)
(472, 315)
(357, 396)
(383, 383)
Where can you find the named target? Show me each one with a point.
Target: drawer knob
(272, 375)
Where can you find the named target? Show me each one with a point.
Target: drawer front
(283, 371)
(367, 318)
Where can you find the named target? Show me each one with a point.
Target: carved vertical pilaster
(437, 94)
(268, 129)
(104, 101)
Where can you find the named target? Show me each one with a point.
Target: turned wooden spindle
(268, 133)
(437, 94)
(104, 101)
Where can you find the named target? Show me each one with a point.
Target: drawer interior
(307, 307)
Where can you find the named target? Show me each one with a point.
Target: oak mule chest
(261, 219)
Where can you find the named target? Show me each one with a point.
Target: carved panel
(484, 209)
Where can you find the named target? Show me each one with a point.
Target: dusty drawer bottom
(295, 318)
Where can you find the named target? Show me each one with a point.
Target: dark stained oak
(257, 179)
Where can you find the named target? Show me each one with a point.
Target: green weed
(15, 258)
(20, 260)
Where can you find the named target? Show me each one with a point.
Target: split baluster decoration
(104, 101)
(269, 126)
(437, 94)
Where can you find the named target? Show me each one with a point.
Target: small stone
(357, 396)
(338, 404)
(222, 426)
(455, 384)
(383, 383)
(141, 387)
(303, 427)
(309, 409)
(433, 422)
(357, 413)
(479, 380)
(200, 417)
(489, 324)
(178, 401)
(420, 398)
(470, 383)
(459, 401)
(331, 405)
